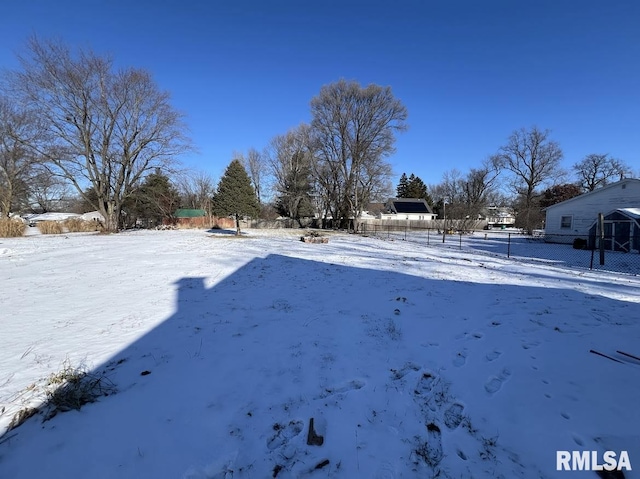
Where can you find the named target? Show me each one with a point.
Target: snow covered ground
(414, 361)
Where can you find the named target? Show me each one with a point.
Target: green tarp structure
(189, 213)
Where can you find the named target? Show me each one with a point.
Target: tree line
(75, 131)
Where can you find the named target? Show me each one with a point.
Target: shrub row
(50, 227)
(78, 225)
(11, 227)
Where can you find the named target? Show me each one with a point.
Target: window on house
(565, 222)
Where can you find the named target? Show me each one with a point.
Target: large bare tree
(354, 129)
(290, 157)
(598, 170)
(533, 160)
(17, 162)
(106, 128)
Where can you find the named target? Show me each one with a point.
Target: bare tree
(533, 161)
(17, 162)
(197, 190)
(290, 158)
(596, 170)
(354, 130)
(466, 195)
(257, 166)
(104, 128)
(48, 192)
(480, 185)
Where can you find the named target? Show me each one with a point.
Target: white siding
(408, 216)
(584, 209)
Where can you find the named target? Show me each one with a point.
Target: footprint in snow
(283, 433)
(431, 451)
(530, 344)
(425, 384)
(453, 415)
(460, 359)
(386, 471)
(397, 374)
(467, 335)
(494, 384)
(493, 355)
(350, 386)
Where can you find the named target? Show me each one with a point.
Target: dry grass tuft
(50, 227)
(78, 225)
(11, 228)
(68, 389)
(71, 388)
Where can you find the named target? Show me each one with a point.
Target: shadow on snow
(283, 339)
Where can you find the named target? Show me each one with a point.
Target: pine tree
(413, 187)
(416, 188)
(235, 195)
(401, 190)
(155, 200)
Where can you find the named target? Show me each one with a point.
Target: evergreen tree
(235, 195)
(155, 200)
(413, 187)
(401, 190)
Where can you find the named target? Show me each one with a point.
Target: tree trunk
(237, 225)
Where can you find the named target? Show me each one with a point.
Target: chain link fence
(560, 250)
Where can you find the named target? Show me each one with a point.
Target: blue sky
(469, 72)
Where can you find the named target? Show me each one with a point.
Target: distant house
(413, 209)
(373, 210)
(577, 217)
(93, 216)
(34, 219)
(499, 217)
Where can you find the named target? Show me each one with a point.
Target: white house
(497, 217)
(577, 217)
(413, 209)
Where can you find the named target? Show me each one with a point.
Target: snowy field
(414, 362)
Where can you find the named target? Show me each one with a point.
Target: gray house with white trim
(577, 216)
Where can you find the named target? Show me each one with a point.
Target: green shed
(189, 213)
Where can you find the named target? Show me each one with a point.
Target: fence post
(601, 224)
(460, 240)
(509, 246)
(428, 236)
(592, 254)
(405, 232)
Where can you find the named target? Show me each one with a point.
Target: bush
(579, 243)
(11, 227)
(78, 225)
(66, 390)
(50, 227)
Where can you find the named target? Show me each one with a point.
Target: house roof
(51, 216)
(595, 192)
(408, 205)
(631, 212)
(189, 213)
